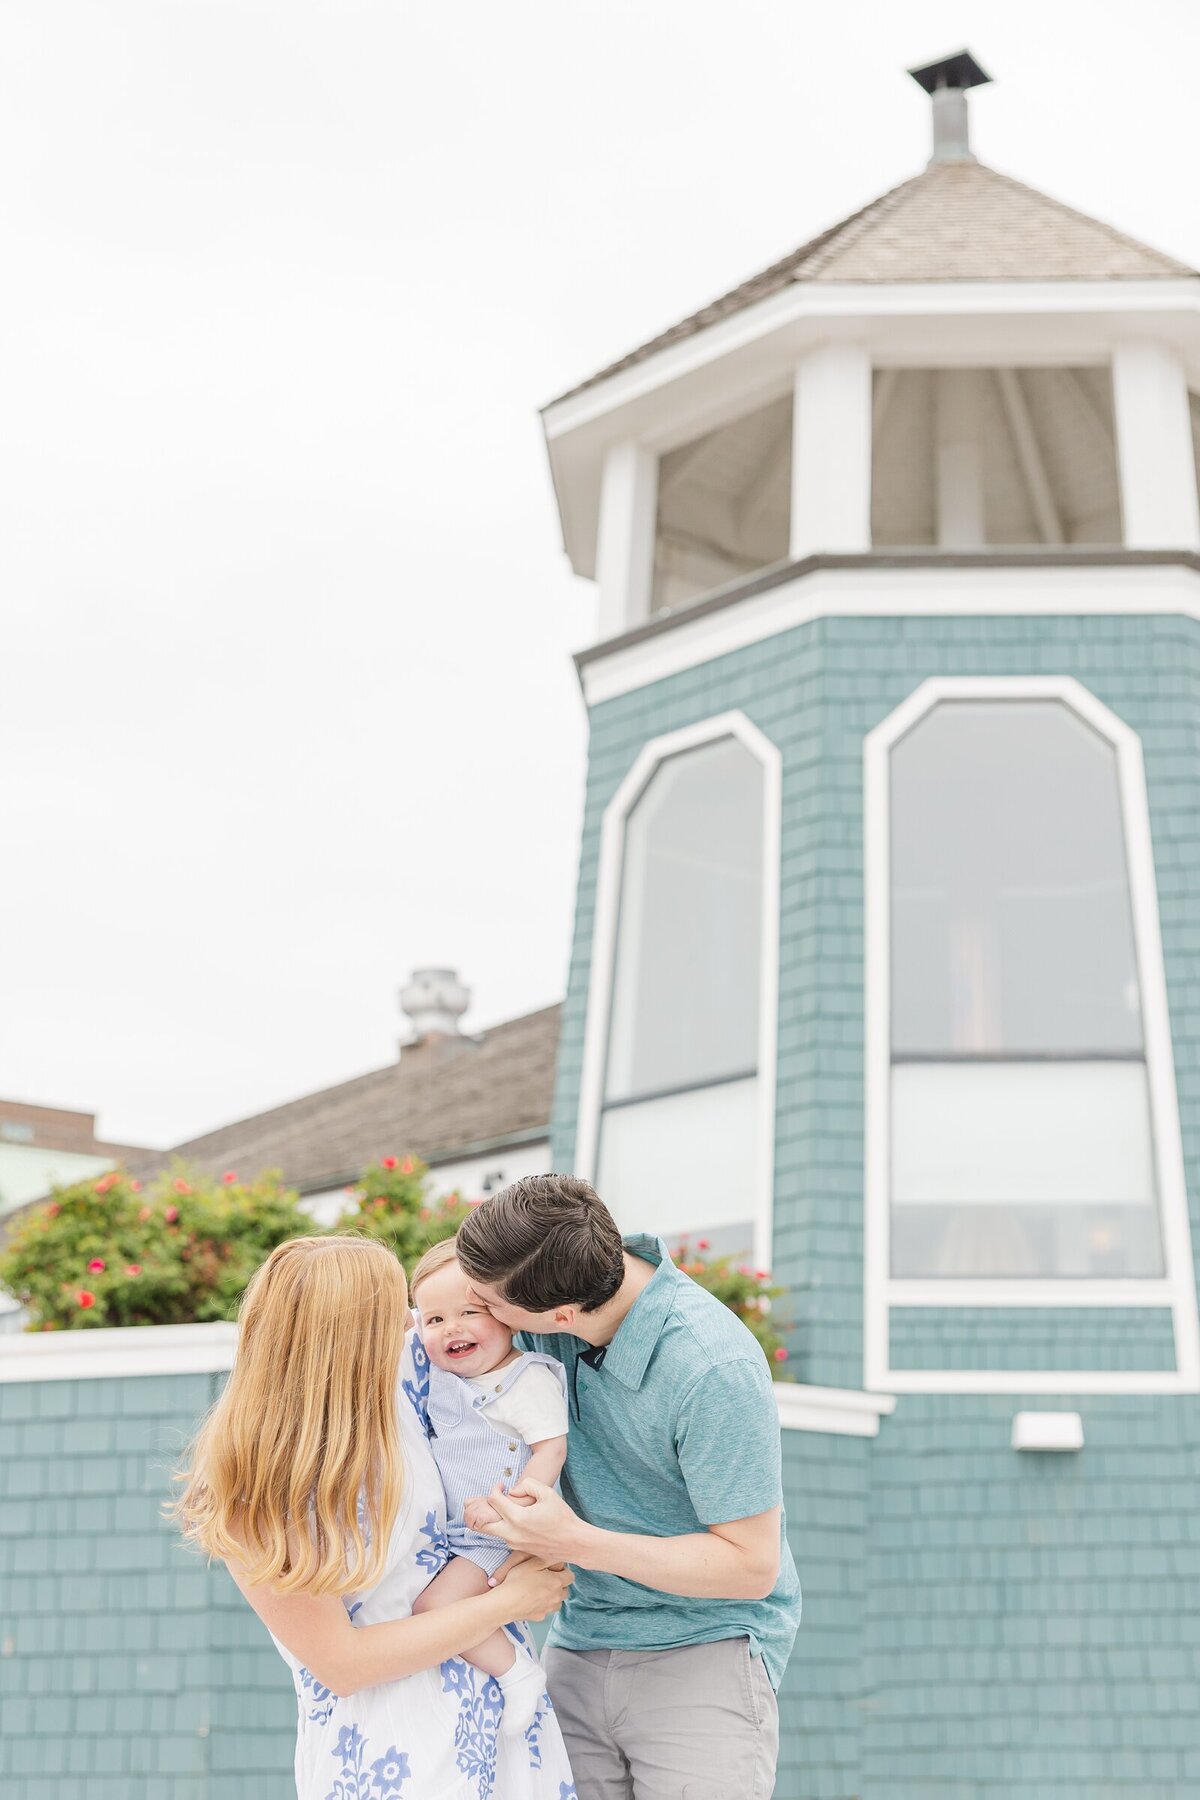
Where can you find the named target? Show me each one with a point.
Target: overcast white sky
(286, 698)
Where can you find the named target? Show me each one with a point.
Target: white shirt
(533, 1408)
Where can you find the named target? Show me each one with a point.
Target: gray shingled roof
(956, 221)
(443, 1095)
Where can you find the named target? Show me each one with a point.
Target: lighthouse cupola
(964, 365)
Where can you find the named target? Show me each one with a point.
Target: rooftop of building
(956, 221)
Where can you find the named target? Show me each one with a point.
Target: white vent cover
(1047, 1431)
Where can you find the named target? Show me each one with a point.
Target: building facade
(885, 965)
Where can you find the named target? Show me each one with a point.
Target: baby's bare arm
(546, 1462)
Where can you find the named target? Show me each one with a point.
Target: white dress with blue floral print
(433, 1735)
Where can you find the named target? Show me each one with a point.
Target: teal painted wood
(1031, 1618)
(1035, 1337)
(129, 1670)
(978, 1621)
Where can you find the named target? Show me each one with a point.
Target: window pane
(1011, 921)
(684, 1166)
(1010, 1169)
(685, 995)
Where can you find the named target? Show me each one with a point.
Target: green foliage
(747, 1292)
(393, 1203)
(104, 1252)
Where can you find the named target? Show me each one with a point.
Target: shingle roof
(956, 221)
(443, 1095)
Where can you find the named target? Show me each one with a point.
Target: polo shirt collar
(628, 1355)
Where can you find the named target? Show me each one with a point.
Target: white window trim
(1177, 1289)
(604, 947)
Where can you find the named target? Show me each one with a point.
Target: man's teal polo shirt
(673, 1427)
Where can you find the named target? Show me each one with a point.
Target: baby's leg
(461, 1579)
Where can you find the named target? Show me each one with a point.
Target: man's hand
(536, 1520)
(480, 1515)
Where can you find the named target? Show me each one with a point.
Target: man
(663, 1664)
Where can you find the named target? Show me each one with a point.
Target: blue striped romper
(474, 1456)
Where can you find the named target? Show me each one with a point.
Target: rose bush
(747, 1292)
(179, 1251)
(394, 1203)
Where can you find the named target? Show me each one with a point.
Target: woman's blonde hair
(297, 1472)
(442, 1253)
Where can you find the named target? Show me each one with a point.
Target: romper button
(499, 1388)
(512, 1446)
(508, 1471)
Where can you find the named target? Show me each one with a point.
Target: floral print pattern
(321, 1699)
(382, 1781)
(436, 1731)
(417, 1386)
(532, 1735)
(480, 1705)
(436, 1553)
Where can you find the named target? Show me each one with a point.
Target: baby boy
(496, 1414)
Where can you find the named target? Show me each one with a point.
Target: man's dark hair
(545, 1241)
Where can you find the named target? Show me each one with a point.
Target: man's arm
(724, 1436)
(738, 1560)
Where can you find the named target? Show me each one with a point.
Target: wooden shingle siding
(977, 1621)
(128, 1669)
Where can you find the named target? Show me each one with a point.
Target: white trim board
(1067, 311)
(889, 592)
(604, 945)
(123, 1351)
(841, 1412)
(1177, 1290)
(117, 1351)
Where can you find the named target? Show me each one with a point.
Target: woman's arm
(344, 1658)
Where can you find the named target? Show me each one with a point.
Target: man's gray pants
(700, 1723)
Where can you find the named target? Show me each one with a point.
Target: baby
(495, 1414)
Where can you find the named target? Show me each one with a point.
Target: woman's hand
(534, 1590)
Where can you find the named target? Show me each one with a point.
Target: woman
(312, 1480)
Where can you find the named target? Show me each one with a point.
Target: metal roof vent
(435, 1000)
(946, 83)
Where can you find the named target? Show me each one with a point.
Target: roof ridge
(813, 260)
(1082, 218)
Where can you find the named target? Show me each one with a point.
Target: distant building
(474, 1106)
(46, 1146)
(43, 1147)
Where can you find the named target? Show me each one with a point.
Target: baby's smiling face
(459, 1334)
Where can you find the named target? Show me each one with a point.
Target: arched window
(677, 1098)
(1022, 1123)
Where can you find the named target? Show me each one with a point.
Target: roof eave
(695, 383)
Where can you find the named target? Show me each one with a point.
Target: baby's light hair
(431, 1262)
